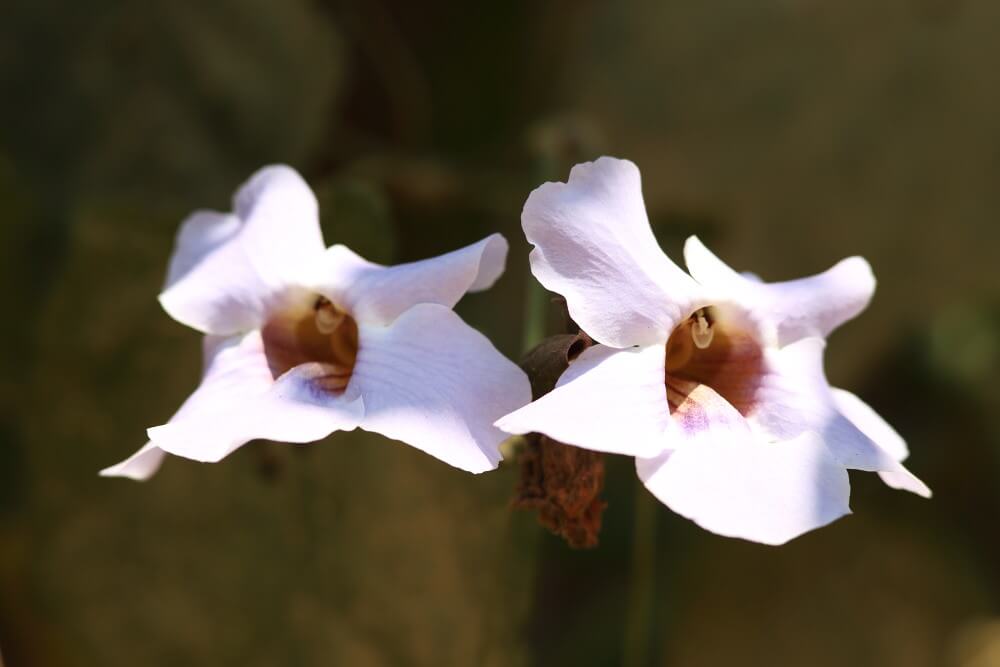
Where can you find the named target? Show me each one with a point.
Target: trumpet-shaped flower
(301, 341)
(712, 379)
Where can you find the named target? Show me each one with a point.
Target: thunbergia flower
(714, 381)
(301, 341)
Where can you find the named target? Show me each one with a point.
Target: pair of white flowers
(713, 381)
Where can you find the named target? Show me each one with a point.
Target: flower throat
(317, 332)
(711, 349)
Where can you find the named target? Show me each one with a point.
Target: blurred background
(786, 133)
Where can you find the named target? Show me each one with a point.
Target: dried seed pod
(560, 482)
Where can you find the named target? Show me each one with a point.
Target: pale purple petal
(593, 245)
(812, 306)
(140, 466)
(608, 400)
(376, 294)
(222, 358)
(282, 233)
(883, 435)
(727, 478)
(433, 382)
(211, 286)
(238, 401)
(734, 484)
(794, 396)
(228, 270)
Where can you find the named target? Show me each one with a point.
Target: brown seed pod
(560, 482)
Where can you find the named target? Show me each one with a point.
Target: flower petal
(866, 419)
(433, 382)
(608, 400)
(211, 286)
(140, 466)
(883, 435)
(238, 401)
(377, 294)
(281, 232)
(767, 492)
(794, 396)
(700, 409)
(812, 306)
(219, 362)
(593, 245)
(227, 269)
(199, 236)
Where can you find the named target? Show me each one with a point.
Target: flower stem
(638, 619)
(536, 312)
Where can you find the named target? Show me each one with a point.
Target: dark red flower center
(713, 348)
(312, 332)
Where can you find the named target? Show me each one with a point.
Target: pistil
(328, 318)
(313, 331)
(701, 329)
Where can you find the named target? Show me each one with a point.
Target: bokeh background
(786, 133)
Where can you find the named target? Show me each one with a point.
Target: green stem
(536, 315)
(638, 620)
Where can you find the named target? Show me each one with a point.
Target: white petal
(593, 245)
(608, 400)
(743, 487)
(883, 435)
(238, 401)
(228, 269)
(794, 396)
(281, 216)
(701, 411)
(866, 419)
(433, 382)
(904, 480)
(220, 360)
(202, 233)
(140, 466)
(211, 285)
(812, 306)
(377, 294)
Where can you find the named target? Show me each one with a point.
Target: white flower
(714, 380)
(302, 341)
